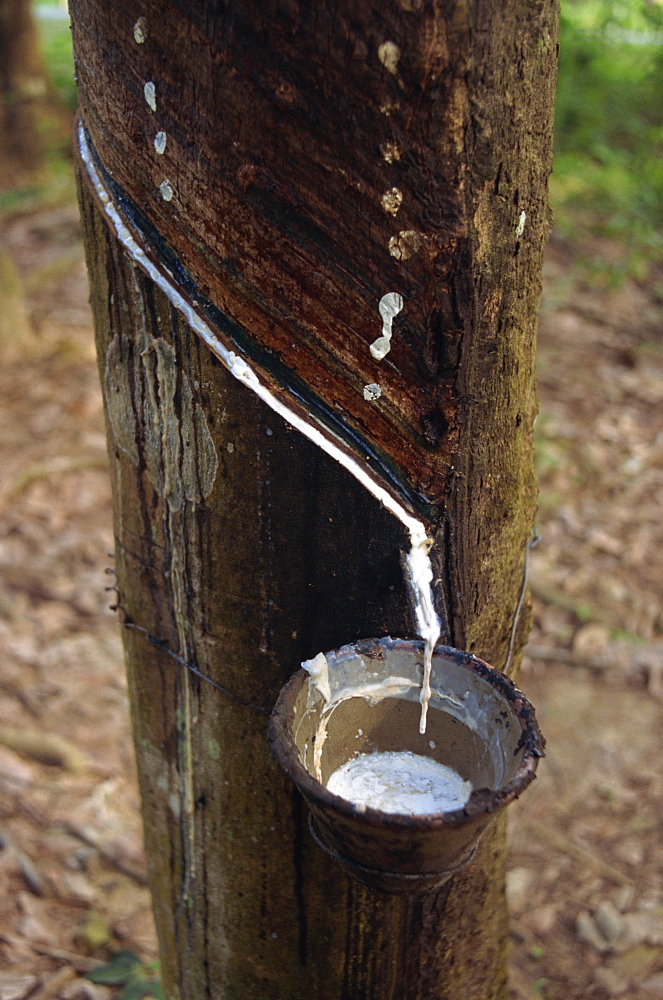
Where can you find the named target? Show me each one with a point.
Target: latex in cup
(364, 700)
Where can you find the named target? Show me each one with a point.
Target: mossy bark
(242, 549)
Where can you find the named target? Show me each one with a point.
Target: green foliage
(126, 970)
(608, 174)
(55, 37)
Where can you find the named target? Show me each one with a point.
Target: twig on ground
(519, 987)
(47, 748)
(566, 656)
(58, 465)
(53, 983)
(15, 692)
(28, 870)
(549, 594)
(81, 963)
(104, 852)
(562, 843)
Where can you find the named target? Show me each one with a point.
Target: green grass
(608, 172)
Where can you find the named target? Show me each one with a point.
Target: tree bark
(241, 548)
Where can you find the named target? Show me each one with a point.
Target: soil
(585, 883)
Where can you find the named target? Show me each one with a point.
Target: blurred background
(585, 883)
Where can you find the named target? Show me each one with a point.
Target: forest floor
(585, 883)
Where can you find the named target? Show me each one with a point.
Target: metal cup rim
(481, 803)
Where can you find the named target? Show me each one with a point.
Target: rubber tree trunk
(285, 166)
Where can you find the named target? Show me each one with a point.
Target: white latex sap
(419, 566)
(400, 782)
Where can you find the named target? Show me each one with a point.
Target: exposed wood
(283, 213)
(240, 548)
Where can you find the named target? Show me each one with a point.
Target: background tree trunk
(240, 547)
(22, 84)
